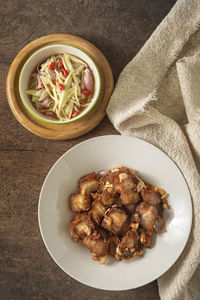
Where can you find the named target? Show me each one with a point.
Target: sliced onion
(87, 79)
(43, 95)
(39, 81)
(53, 75)
(50, 113)
(45, 103)
(159, 226)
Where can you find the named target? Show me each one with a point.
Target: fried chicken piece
(111, 219)
(146, 238)
(130, 208)
(129, 197)
(103, 179)
(103, 233)
(81, 226)
(135, 218)
(113, 242)
(79, 202)
(129, 246)
(88, 183)
(124, 184)
(107, 198)
(151, 197)
(114, 220)
(125, 228)
(119, 181)
(97, 211)
(97, 245)
(148, 215)
(160, 226)
(106, 187)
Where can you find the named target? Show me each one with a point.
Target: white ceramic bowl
(97, 154)
(38, 57)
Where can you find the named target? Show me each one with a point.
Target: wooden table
(119, 29)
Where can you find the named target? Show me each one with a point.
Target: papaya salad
(61, 87)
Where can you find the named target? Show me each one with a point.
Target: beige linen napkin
(157, 99)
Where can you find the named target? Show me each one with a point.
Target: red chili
(54, 81)
(52, 64)
(65, 73)
(60, 64)
(61, 86)
(74, 114)
(86, 92)
(46, 108)
(57, 106)
(42, 84)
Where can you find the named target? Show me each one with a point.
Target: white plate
(103, 153)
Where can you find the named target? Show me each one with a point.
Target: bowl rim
(58, 122)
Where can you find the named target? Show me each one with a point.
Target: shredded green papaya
(59, 88)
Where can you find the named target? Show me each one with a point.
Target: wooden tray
(54, 131)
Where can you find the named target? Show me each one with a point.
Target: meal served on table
(61, 87)
(116, 213)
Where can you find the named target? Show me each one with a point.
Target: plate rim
(118, 136)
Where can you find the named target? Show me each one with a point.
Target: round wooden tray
(54, 131)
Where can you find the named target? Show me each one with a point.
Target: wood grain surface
(119, 29)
